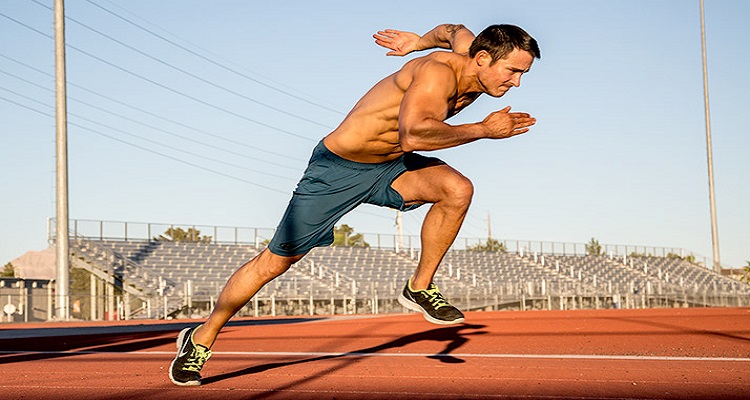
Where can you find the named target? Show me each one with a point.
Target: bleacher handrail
(147, 231)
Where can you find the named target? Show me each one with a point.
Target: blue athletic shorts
(331, 187)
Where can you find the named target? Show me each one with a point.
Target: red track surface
(612, 354)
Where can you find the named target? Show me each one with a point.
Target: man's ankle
(416, 286)
(199, 339)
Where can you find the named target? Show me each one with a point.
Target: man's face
(505, 73)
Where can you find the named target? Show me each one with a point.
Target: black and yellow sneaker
(187, 364)
(431, 303)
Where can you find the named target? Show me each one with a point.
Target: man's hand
(504, 124)
(401, 43)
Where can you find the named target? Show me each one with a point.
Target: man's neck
(468, 80)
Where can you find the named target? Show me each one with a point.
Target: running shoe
(187, 364)
(431, 303)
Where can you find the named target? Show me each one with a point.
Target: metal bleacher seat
(335, 270)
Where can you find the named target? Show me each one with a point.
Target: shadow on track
(19, 345)
(454, 336)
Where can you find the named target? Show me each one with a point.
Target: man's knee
(268, 265)
(459, 190)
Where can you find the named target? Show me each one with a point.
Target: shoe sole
(415, 307)
(180, 342)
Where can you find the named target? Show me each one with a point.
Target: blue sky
(618, 153)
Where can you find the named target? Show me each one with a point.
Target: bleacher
(473, 279)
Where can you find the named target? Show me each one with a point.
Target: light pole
(61, 175)
(711, 194)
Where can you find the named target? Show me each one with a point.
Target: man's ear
(483, 58)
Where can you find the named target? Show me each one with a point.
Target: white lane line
(301, 354)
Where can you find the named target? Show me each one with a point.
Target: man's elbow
(407, 142)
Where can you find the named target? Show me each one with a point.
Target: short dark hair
(500, 40)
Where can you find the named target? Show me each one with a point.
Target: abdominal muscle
(363, 146)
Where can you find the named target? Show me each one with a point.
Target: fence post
(92, 298)
(126, 305)
(110, 302)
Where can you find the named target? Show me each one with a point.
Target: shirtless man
(369, 159)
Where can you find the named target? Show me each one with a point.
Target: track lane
(606, 354)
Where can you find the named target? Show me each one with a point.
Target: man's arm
(446, 36)
(425, 106)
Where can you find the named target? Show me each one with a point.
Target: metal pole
(489, 228)
(711, 194)
(399, 231)
(61, 139)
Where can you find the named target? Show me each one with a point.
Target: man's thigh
(428, 185)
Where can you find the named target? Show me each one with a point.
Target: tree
(593, 248)
(344, 236)
(181, 235)
(689, 258)
(490, 245)
(80, 293)
(8, 271)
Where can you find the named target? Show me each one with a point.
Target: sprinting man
(370, 158)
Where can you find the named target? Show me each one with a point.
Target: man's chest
(459, 103)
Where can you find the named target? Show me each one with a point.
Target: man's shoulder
(439, 64)
(439, 58)
(432, 70)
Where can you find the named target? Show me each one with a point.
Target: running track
(605, 354)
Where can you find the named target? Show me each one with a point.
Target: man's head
(502, 54)
(501, 40)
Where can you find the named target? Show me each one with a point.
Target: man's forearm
(429, 133)
(447, 36)
(432, 134)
